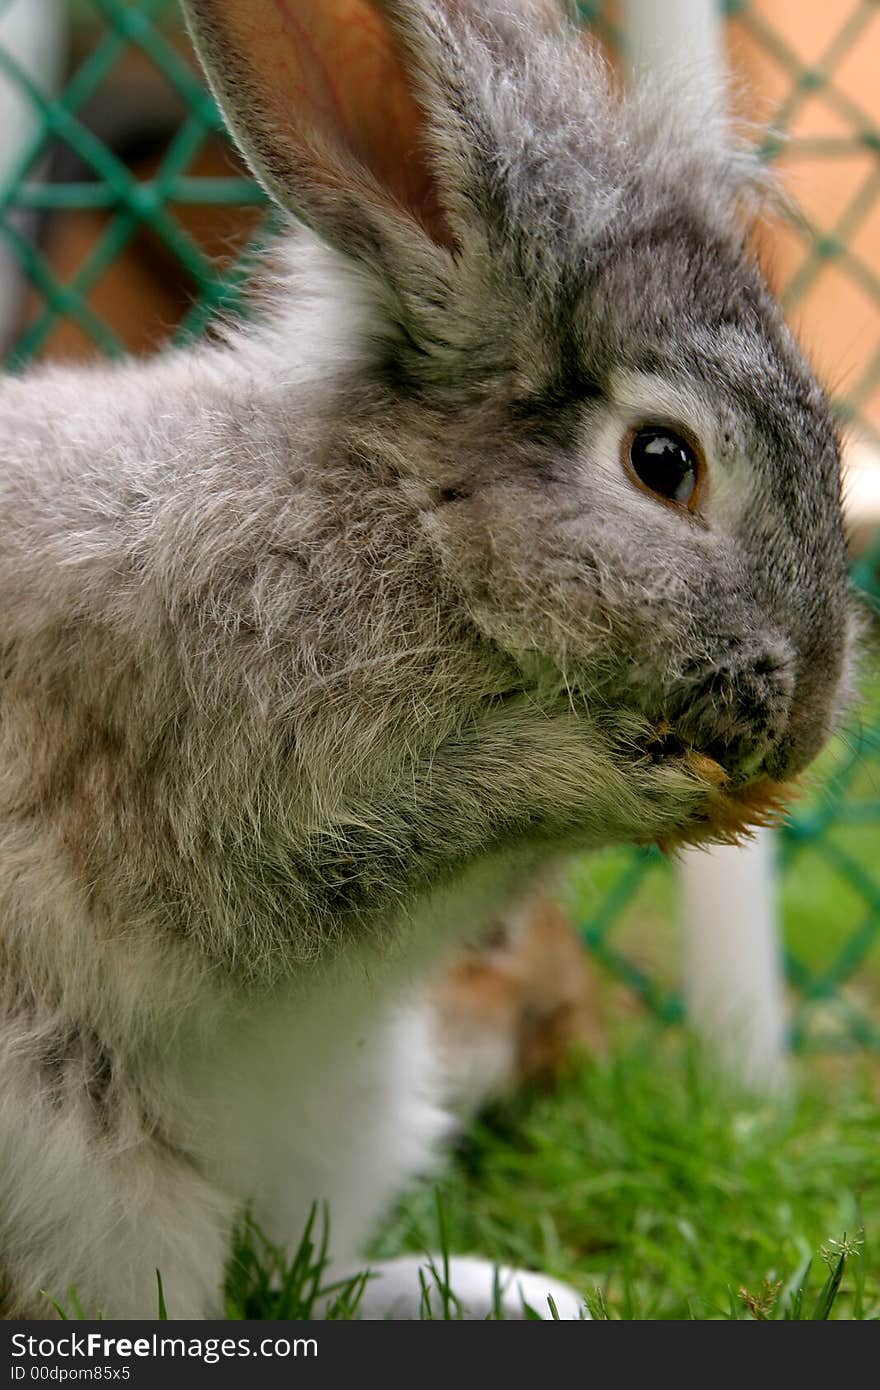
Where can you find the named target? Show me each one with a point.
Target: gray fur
(318, 640)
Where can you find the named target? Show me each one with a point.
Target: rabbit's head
(574, 368)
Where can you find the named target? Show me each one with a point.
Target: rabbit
(510, 526)
(510, 1007)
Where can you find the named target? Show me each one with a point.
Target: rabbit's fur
(317, 640)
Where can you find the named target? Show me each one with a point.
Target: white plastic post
(674, 32)
(32, 32)
(731, 973)
(732, 976)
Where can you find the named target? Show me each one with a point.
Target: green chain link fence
(829, 849)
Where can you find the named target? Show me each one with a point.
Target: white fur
(401, 1288)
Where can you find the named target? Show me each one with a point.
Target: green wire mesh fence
(107, 182)
(61, 163)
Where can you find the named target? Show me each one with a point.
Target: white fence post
(32, 32)
(678, 32)
(732, 977)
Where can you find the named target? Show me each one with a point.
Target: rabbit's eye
(664, 462)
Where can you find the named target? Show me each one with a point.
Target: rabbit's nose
(738, 712)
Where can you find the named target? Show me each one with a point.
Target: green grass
(659, 1195)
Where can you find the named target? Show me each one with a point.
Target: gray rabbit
(511, 526)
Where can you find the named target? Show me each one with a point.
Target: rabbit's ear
(320, 99)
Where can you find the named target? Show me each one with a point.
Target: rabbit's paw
(416, 1286)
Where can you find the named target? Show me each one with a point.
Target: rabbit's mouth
(731, 813)
(734, 807)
